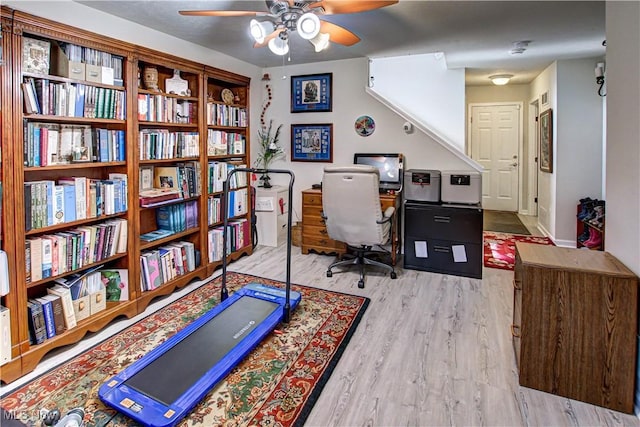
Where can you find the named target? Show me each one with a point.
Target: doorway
(496, 144)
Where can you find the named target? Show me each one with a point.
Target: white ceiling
(476, 35)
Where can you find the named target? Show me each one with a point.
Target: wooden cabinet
(575, 324)
(120, 105)
(314, 231)
(443, 239)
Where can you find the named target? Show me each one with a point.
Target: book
(69, 203)
(5, 335)
(158, 195)
(4, 273)
(67, 305)
(155, 235)
(58, 313)
(35, 245)
(35, 319)
(116, 283)
(49, 323)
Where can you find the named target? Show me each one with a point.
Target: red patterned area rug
(276, 385)
(500, 248)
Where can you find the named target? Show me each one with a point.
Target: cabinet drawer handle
(439, 218)
(444, 249)
(515, 331)
(515, 285)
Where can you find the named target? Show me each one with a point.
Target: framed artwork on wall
(312, 143)
(546, 141)
(311, 93)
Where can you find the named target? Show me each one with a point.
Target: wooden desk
(314, 231)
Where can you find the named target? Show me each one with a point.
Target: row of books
(226, 115)
(238, 236)
(54, 254)
(214, 210)
(236, 206)
(48, 144)
(87, 55)
(165, 263)
(43, 96)
(49, 203)
(223, 143)
(178, 217)
(163, 144)
(218, 172)
(161, 108)
(66, 303)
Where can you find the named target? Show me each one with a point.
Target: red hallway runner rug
(276, 385)
(500, 248)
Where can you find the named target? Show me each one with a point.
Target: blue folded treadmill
(162, 387)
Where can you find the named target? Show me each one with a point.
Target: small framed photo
(311, 93)
(546, 141)
(312, 143)
(146, 178)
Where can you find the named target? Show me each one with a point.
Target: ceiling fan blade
(269, 37)
(338, 34)
(334, 7)
(222, 13)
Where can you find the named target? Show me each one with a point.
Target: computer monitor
(389, 165)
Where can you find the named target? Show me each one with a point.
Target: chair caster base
(329, 273)
(394, 275)
(361, 284)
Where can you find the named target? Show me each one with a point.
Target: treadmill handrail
(224, 293)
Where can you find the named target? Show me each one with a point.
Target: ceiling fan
(287, 16)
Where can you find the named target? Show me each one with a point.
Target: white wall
(622, 232)
(422, 85)
(349, 102)
(578, 151)
(546, 82)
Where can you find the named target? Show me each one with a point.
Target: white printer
(461, 186)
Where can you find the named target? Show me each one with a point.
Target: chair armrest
(388, 214)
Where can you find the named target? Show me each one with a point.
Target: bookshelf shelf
(185, 118)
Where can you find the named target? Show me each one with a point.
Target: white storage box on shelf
(460, 186)
(422, 185)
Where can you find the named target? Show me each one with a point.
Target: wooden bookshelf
(205, 86)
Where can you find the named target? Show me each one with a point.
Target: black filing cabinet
(443, 238)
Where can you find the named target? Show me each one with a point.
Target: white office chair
(352, 214)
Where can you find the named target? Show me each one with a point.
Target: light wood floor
(431, 350)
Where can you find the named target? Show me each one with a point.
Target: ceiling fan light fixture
(308, 25)
(501, 79)
(260, 30)
(279, 46)
(320, 42)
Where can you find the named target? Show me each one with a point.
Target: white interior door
(495, 143)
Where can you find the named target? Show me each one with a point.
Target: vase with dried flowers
(269, 150)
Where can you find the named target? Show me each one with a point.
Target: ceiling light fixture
(304, 16)
(308, 26)
(260, 30)
(280, 44)
(501, 79)
(321, 41)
